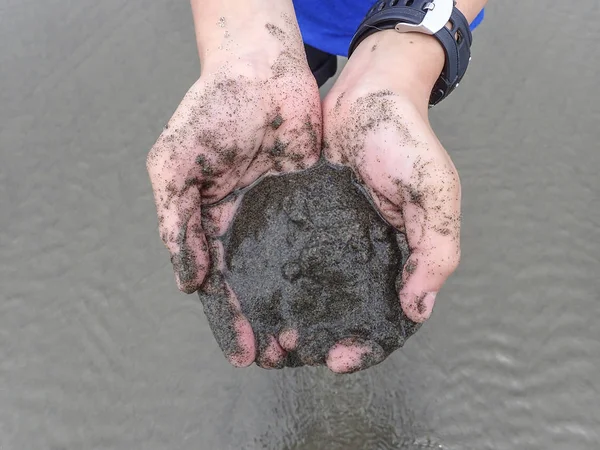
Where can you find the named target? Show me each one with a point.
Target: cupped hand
(377, 124)
(243, 119)
(411, 179)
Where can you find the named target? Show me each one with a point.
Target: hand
(375, 121)
(250, 114)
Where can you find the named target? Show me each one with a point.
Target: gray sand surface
(99, 349)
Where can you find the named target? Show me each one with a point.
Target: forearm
(239, 26)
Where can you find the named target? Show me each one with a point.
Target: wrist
(247, 30)
(405, 63)
(415, 57)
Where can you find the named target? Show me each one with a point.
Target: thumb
(434, 257)
(419, 289)
(178, 202)
(182, 233)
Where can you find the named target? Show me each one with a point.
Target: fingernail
(425, 304)
(430, 299)
(418, 307)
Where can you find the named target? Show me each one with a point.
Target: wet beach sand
(308, 254)
(100, 350)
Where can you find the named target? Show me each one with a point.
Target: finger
(178, 196)
(288, 339)
(431, 211)
(216, 219)
(270, 353)
(180, 227)
(388, 209)
(231, 329)
(354, 354)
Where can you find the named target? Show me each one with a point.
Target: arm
(375, 120)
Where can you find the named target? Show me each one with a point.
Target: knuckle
(442, 261)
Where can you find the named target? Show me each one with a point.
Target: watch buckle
(436, 17)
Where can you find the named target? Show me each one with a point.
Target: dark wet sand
(308, 252)
(100, 350)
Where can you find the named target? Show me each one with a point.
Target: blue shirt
(329, 25)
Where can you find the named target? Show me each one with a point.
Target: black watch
(428, 17)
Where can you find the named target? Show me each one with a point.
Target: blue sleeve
(477, 19)
(329, 25)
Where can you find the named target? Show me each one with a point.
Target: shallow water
(99, 349)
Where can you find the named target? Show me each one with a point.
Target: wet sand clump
(308, 251)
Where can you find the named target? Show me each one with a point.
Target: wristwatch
(439, 18)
